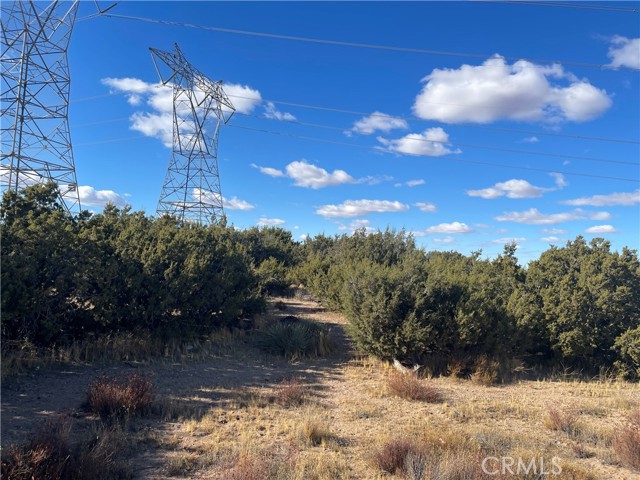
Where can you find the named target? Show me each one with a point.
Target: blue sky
(428, 151)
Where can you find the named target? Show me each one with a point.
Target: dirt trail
(29, 400)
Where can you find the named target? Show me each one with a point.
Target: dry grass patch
(50, 455)
(563, 421)
(291, 392)
(626, 441)
(109, 397)
(410, 387)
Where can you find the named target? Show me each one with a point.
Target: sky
(505, 135)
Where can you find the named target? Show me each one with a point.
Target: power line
(352, 44)
(413, 118)
(448, 158)
(466, 145)
(402, 117)
(565, 5)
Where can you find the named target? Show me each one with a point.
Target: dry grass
(626, 442)
(110, 397)
(563, 421)
(50, 455)
(291, 392)
(392, 456)
(410, 387)
(314, 431)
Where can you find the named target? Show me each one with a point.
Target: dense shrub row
(577, 306)
(64, 277)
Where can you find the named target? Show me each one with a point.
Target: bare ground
(210, 413)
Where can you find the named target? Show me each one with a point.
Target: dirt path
(29, 400)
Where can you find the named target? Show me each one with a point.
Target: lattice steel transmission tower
(36, 144)
(191, 189)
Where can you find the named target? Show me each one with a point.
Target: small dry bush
(562, 421)
(110, 397)
(626, 441)
(580, 451)
(486, 371)
(392, 457)
(291, 392)
(49, 455)
(314, 432)
(410, 387)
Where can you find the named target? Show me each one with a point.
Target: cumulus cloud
(426, 207)
(415, 183)
(551, 239)
(505, 240)
(378, 122)
(496, 91)
(431, 143)
(534, 217)
(307, 175)
(358, 224)
(624, 52)
(214, 199)
(517, 188)
(158, 121)
(270, 111)
(91, 197)
(553, 231)
(450, 228)
(270, 222)
(26, 178)
(613, 199)
(599, 229)
(358, 208)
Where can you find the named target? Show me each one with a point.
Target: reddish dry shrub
(562, 421)
(112, 397)
(291, 392)
(410, 387)
(391, 458)
(249, 468)
(626, 441)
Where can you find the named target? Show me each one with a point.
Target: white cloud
(535, 217)
(270, 222)
(307, 175)
(378, 121)
(158, 123)
(496, 90)
(624, 52)
(272, 172)
(505, 240)
(553, 231)
(598, 229)
(551, 239)
(303, 236)
(234, 203)
(358, 224)
(431, 143)
(426, 207)
(214, 199)
(613, 199)
(444, 240)
(517, 188)
(25, 177)
(270, 111)
(450, 228)
(357, 208)
(513, 188)
(531, 140)
(415, 183)
(91, 197)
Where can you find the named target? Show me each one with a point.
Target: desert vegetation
(238, 372)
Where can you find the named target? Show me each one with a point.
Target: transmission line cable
(352, 44)
(448, 158)
(466, 145)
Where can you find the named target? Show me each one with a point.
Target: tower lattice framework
(36, 143)
(191, 189)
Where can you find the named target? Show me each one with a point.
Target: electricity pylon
(36, 143)
(191, 189)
